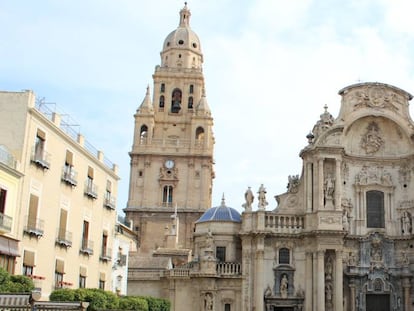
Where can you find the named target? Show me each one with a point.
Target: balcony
(284, 223)
(34, 227)
(106, 254)
(5, 223)
(228, 268)
(69, 176)
(40, 158)
(110, 202)
(64, 238)
(86, 247)
(91, 190)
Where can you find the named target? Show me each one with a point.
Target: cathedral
(340, 237)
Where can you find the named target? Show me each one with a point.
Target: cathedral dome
(183, 37)
(220, 213)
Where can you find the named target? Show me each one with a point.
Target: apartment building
(65, 210)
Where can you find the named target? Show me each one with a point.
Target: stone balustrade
(284, 223)
(228, 268)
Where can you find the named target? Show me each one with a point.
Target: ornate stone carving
(284, 286)
(330, 220)
(325, 122)
(208, 302)
(249, 197)
(262, 197)
(293, 183)
(406, 223)
(373, 175)
(372, 141)
(404, 174)
(374, 97)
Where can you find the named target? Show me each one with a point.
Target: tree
(15, 283)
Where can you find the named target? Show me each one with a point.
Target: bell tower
(171, 169)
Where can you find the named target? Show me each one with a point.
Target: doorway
(378, 302)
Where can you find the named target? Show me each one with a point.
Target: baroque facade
(58, 198)
(340, 237)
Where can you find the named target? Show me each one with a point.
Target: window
(190, 102)
(3, 194)
(143, 134)
(40, 144)
(59, 272)
(162, 101)
(86, 247)
(162, 88)
(191, 90)
(167, 195)
(34, 226)
(284, 256)
(176, 101)
(28, 263)
(90, 177)
(375, 209)
(64, 237)
(82, 277)
(69, 174)
(90, 187)
(104, 248)
(68, 161)
(221, 253)
(227, 307)
(102, 281)
(7, 263)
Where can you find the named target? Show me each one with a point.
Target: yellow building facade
(66, 203)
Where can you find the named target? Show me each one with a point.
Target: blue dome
(220, 213)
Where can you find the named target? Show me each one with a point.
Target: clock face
(169, 164)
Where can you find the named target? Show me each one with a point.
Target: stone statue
(209, 240)
(249, 197)
(345, 223)
(284, 286)
(208, 302)
(406, 223)
(268, 291)
(352, 259)
(262, 197)
(329, 187)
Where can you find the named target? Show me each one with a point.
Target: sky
(270, 67)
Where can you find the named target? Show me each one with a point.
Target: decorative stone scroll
(372, 140)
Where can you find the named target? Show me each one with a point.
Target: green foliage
(63, 294)
(105, 300)
(14, 283)
(133, 303)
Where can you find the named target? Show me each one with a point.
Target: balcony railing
(64, 238)
(284, 223)
(5, 223)
(110, 202)
(86, 247)
(228, 268)
(106, 254)
(34, 227)
(6, 157)
(69, 176)
(41, 158)
(91, 190)
(178, 273)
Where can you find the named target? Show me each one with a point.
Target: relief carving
(372, 141)
(404, 174)
(374, 97)
(373, 175)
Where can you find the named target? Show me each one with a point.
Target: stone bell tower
(172, 153)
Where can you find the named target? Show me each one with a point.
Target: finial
(148, 90)
(223, 203)
(325, 107)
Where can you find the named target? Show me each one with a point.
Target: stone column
(352, 296)
(259, 267)
(338, 179)
(406, 286)
(320, 290)
(314, 281)
(246, 270)
(320, 184)
(308, 281)
(338, 281)
(308, 187)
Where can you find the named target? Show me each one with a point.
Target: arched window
(284, 256)
(191, 90)
(167, 195)
(176, 101)
(143, 134)
(190, 102)
(375, 209)
(162, 101)
(199, 134)
(162, 88)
